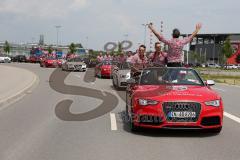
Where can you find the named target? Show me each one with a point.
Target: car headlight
(84, 66)
(128, 75)
(215, 103)
(122, 76)
(145, 102)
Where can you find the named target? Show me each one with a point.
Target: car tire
(133, 127)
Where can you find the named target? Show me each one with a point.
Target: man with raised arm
(175, 54)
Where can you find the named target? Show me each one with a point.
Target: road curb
(20, 94)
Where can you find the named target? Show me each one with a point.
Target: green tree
(227, 49)
(50, 50)
(238, 58)
(6, 47)
(119, 51)
(72, 48)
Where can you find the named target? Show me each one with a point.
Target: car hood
(75, 63)
(124, 72)
(175, 93)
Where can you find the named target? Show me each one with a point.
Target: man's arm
(189, 39)
(157, 34)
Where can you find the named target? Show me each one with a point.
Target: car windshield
(75, 60)
(124, 65)
(174, 76)
(51, 58)
(109, 63)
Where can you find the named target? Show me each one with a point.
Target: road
(52, 123)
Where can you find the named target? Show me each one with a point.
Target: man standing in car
(175, 55)
(158, 58)
(100, 57)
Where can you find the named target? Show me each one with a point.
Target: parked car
(19, 58)
(231, 66)
(120, 75)
(213, 65)
(238, 66)
(173, 98)
(74, 64)
(5, 58)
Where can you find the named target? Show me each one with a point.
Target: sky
(103, 21)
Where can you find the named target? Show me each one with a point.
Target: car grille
(78, 66)
(181, 107)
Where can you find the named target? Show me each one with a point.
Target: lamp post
(57, 29)
(145, 33)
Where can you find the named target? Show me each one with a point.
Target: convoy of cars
(156, 97)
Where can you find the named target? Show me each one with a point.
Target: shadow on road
(164, 132)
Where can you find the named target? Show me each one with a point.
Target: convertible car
(104, 69)
(120, 75)
(173, 98)
(74, 64)
(50, 62)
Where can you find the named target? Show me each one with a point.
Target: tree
(238, 58)
(6, 47)
(227, 49)
(50, 50)
(119, 48)
(72, 48)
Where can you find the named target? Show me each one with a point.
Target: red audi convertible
(173, 98)
(50, 62)
(104, 69)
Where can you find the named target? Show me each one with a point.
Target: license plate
(183, 114)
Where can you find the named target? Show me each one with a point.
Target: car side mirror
(131, 81)
(210, 82)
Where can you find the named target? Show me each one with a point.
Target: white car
(213, 65)
(4, 59)
(231, 66)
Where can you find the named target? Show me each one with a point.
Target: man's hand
(198, 27)
(150, 26)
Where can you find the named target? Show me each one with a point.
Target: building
(207, 48)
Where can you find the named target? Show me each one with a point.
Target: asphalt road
(82, 120)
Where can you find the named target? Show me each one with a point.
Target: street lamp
(145, 33)
(87, 42)
(126, 36)
(57, 28)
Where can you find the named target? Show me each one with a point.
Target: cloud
(41, 9)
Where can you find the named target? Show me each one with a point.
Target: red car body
(104, 69)
(50, 62)
(166, 100)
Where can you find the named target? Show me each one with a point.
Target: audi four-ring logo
(111, 46)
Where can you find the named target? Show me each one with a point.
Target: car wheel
(117, 87)
(132, 126)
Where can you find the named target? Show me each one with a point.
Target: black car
(19, 58)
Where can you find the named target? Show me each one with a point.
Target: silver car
(120, 75)
(74, 64)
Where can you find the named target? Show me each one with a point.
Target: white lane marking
(219, 89)
(103, 93)
(232, 117)
(113, 122)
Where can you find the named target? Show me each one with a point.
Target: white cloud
(41, 9)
